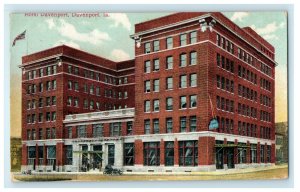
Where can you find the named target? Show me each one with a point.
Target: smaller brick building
(81, 112)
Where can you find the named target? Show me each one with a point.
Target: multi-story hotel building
(154, 113)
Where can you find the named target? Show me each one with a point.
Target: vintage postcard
(148, 96)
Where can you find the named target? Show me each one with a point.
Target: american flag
(19, 37)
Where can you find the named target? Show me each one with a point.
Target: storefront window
(151, 154)
(188, 153)
(128, 153)
(169, 153)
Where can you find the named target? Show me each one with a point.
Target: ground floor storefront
(178, 152)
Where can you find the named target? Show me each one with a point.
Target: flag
(19, 37)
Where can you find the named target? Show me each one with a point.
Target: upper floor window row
(96, 76)
(184, 39)
(184, 59)
(225, 44)
(246, 57)
(50, 70)
(225, 63)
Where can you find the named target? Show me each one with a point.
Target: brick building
(154, 113)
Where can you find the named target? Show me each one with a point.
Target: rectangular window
(183, 83)
(53, 100)
(193, 58)
(69, 68)
(156, 105)
(81, 131)
(54, 69)
(53, 116)
(48, 133)
(147, 106)
(193, 101)
(169, 125)
(155, 126)
(147, 126)
(85, 103)
(156, 65)
(69, 101)
(111, 154)
(33, 134)
(262, 153)
(169, 62)
(41, 72)
(193, 37)
(169, 83)
(98, 91)
(193, 123)
(54, 84)
(53, 133)
(69, 154)
(115, 129)
(128, 154)
(31, 152)
(69, 132)
(40, 117)
(182, 124)
(41, 134)
(169, 103)
(182, 39)
(98, 130)
(188, 153)
(193, 80)
(182, 60)
(156, 45)
(169, 43)
(76, 70)
(169, 153)
(147, 67)
(147, 86)
(41, 87)
(156, 85)
(183, 102)
(151, 153)
(147, 47)
(48, 116)
(129, 126)
(49, 70)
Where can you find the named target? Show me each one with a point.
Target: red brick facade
(202, 62)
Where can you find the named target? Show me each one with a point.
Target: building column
(138, 152)
(106, 130)
(235, 152)
(248, 153)
(176, 153)
(76, 157)
(258, 152)
(89, 130)
(162, 152)
(36, 156)
(225, 152)
(206, 148)
(74, 132)
(24, 155)
(266, 152)
(273, 151)
(119, 156)
(45, 154)
(59, 156)
(123, 128)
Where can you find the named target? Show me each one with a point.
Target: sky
(108, 36)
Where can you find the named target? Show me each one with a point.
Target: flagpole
(27, 42)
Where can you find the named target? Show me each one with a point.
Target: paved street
(277, 172)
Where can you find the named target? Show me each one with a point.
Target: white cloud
(269, 28)
(68, 43)
(270, 36)
(239, 16)
(50, 23)
(120, 19)
(119, 55)
(66, 29)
